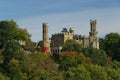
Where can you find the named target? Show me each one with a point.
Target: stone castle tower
(46, 42)
(45, 32)
(93, 34)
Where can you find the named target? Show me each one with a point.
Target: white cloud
(107, 19)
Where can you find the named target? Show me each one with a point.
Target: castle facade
(55, 43)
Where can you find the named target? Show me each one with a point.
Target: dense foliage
(18, 62)
(111, 44)
(71, 45)
(9, 30)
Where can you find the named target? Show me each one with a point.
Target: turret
(93, 34)
(45, 31)
(46, 42)
(93, 31)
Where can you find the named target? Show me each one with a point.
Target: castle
(55, 43)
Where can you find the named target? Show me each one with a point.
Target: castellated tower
(93, 34)
(46, 42)
(93, 31)
(45, 31)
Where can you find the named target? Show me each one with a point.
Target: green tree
(112, 74)
(71, 59)
(111, 44)
(114, 65)
(97, 72)
(11, 65)
(3, 77)
(97, 56)
(77, 73)
(12, 49)
(15, 70)
(24, 35)
(10, 30)
(71, 45)
(39, 66)
(66, 62)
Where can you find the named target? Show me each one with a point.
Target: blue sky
(30, 14)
